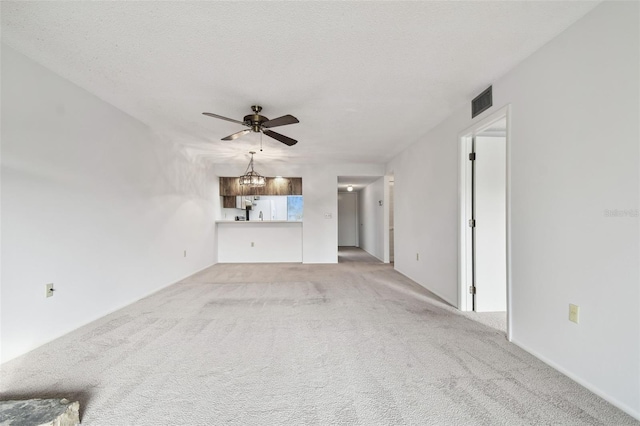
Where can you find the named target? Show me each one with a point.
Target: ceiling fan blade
(224, 118)
(282, 138)
(280, 121)
(236, 135)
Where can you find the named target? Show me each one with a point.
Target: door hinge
(472, 223)
(472, 156)
(472, 290)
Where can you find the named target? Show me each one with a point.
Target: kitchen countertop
(258, 221)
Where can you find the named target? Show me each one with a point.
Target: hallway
(347, 254)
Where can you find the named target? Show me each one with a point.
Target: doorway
(484, 201)
(348, 219)
(363, 218)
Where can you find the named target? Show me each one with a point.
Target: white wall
(372, 228)
(425, 209)
(93, 202)
(574, 155)
(319, 189)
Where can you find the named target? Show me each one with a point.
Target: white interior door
(490, 230)
(347, 219)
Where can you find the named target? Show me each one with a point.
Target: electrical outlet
(328, 215)
(252, 244)
(417, 256)
(574, 313)
(49, 289)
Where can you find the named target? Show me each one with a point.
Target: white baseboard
(629, 410)
(368, 252)
(453, 304)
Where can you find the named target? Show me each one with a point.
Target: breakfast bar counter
(255, 241)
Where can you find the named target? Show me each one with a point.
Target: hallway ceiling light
(349, 188)
(252, 178)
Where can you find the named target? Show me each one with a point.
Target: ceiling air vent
(482, 102)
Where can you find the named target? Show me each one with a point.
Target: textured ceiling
(365, 79)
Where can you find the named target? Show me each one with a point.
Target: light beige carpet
(353, 343)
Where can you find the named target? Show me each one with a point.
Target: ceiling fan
(259, 123)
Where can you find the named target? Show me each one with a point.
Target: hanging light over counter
(250, 177)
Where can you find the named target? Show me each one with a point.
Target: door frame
(389, 182)
(465, 240)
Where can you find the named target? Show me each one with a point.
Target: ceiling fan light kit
(260, 124)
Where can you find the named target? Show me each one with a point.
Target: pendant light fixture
(252, 178)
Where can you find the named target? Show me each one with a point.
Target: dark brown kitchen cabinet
(229, 201)
(283, 186)
(296, 186)
(230, 187)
